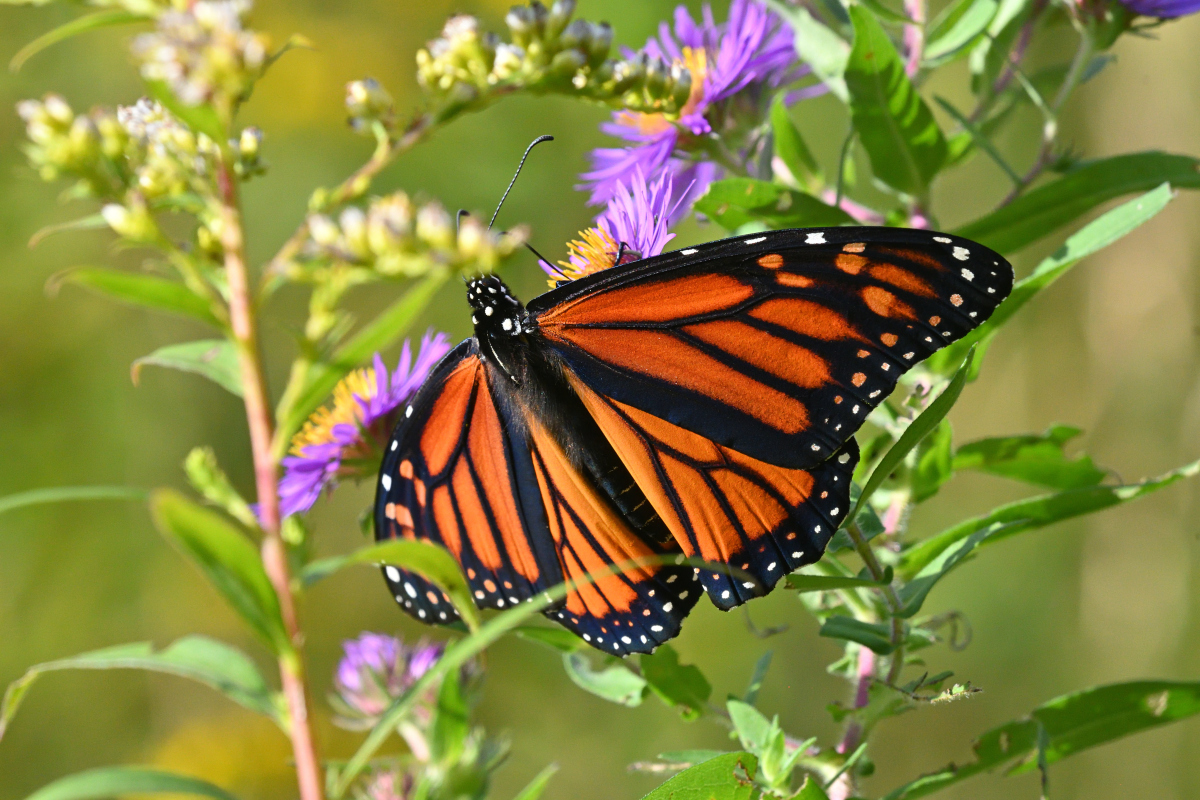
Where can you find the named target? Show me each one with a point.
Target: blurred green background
(1113, 348)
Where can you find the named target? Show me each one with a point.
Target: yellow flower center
(344, 409)
(595, 248)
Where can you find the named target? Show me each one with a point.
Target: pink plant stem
(914, 36)
(260, 424)
(860, 213)
(843, 787)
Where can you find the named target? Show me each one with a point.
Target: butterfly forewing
(774, 345)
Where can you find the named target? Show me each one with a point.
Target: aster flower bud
(560, 13)
(522, 24)
(601, 43)
(434, 227)
(577, 36)
(657, 73)
(353, 223)
(322, 230)
(368, 102)
(568, 62)
(509, 60)
(132, 221)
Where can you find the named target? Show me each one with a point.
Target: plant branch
(889, 593)
(259, 421)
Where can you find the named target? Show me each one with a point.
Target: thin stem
(1013, 62)
(889, 593)
(354, 186)
(259, 421)
(914, 36)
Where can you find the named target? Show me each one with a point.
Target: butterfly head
(494, 309)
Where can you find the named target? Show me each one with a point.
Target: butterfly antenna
(541, 257)
(462, 212)
(532, 145)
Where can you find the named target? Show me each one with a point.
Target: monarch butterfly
(701, 402)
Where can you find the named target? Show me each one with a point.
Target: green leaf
(790, 145)
(228, 559)
(1036, 512)
(201, 118)
(811, 790)
(1037, 459)
(1061, 202)
(690, 756)
(431, 561)
(934, 462)
(89, 223)
(199, 658)
(215, 359)
(817, 46)
(143, 290)
(616, 683)
(876, 636)
(533, 790)
(451, 721)
(68, 494)
(1072, 723)
(726, 777)
(105, 782)
(88, 22)
(977, 137)
(207, 478)
(952, 39)
(1096, 235)
(556, 638)
(756, 680)
(752, 728)
(913, 593)
(869, 523)
(917, 430)
(734, 202)
(895, 126)
(375, 336)
(825, 583)
(682, 686)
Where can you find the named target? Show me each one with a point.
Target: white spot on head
(506, 324)
(691, 251)
(942, 239)
(815, 238)
(412, 592)
(962, 254)
(756, 240)
(393, 574)
(487, 312)
(386, 480)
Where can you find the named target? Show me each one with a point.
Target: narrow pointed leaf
(756, 680)
(913, 593)
(876, 636)
(89, 223)
(734, 202)
(752, 728)
(953, 40)
(559, 639)
(1060, 202)
(143, 290)
(68, 494)
(1037, 459)
(790, 145)
(825, 583)
(431, 561)
(920, 427)
(1036, 512)
(1072, 723)
(935, 462)
(894, 124)
(1096, 235)
(108, 782)
(88, 22)
(616, 683)
(534, 789)
(198, 658)
(725, 777)
(227, 558)
(817, 45)
(215, 359)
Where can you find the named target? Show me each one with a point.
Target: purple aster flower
(1163, 9)
(745, 57)
(374, 671)
(638, 215)
(346, 437)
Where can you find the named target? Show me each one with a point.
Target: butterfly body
(699, 404)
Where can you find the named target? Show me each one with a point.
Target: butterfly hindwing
(726, 508)
(458, 473)
(776, 345)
